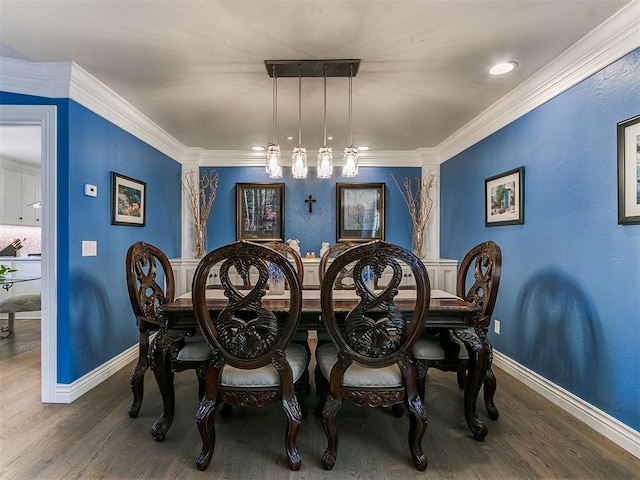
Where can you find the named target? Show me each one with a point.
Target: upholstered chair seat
(357, 375)
(267, 375)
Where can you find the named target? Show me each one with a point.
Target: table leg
(478, 363)
(8, 330)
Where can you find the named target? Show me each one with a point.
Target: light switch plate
(89, 248)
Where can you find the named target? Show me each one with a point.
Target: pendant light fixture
(299, 157)
(274, 156)
(350, 159)
(310, 68)
(325, 158)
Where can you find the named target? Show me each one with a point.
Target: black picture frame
(128, 201)
(359, 212)
(629, 171)
(504, 198)
(260, 212)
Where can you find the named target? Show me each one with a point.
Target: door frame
(46, 117)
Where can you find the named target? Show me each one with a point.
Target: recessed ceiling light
(330, 137)
(502, 68)
(257, 148)
(363, 148)
(290, 137)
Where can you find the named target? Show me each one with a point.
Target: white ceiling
(196, 67)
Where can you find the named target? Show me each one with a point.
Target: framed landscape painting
(629, 171)
(360, 212)
(128, 201)
(504, 198)
(260, 211)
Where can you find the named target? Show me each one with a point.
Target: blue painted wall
(310, 228)
(569, 300)
(95, 321)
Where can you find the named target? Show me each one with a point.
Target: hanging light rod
(312, 68)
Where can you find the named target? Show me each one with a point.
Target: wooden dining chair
(254, 363)
(369, 361)
(477, 282)
(147, 267)
(151, 284)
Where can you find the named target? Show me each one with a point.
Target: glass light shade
(325, 162)
(299, 163)
(350, 162)
(274, 161)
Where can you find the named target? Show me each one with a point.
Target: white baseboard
(67, 393)
(616, 431)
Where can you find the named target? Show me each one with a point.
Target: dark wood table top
(445, 310)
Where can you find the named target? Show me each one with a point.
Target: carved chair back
(345, 277)
(375, 333)
(147, 266)
(246, 333)
(481, 268)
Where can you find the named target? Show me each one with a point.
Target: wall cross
(310, 201)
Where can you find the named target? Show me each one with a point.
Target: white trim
(616, 431)
(67, 393)
(46, 117)
(50, 80)
(91, 93)
(607, 43)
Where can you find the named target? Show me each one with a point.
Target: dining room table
(446, 311)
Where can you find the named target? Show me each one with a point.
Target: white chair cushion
(196, 349)
(267, 376)
(357, 375)
(428, 347)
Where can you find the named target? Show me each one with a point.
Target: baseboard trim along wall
(616, 431)
(67, 393)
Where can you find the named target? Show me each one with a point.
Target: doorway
(46, 117)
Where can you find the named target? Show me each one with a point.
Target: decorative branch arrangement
(419, 205)
(201, 196)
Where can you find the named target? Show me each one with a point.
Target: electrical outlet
(496, 326)
(89, 248)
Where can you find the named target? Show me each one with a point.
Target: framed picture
(360, 212)
(504, 198)
(128, 201)
(260, 211)
(629, 171)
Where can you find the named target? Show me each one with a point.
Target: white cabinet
(20, 190)
(442, 274)
(25, 267)
(183, 271)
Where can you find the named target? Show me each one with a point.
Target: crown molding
(89, 92)
(610, 41)
(50, 80)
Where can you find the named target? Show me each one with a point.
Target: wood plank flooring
(93, 438)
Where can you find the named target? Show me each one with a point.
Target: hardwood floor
(93, 438)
